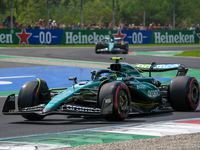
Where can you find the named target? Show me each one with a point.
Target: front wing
(11, 108)
(104, 50)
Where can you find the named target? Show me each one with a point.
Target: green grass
(190, 53)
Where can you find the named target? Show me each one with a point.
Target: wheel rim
(194, 95)
(123, 103)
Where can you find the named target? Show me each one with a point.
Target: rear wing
(153, 67)
(112, 37)
(118, 38)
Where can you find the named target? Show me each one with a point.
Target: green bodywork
(142, 89)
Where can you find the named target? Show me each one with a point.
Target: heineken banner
(175, 37)
(66, 37)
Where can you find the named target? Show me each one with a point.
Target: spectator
(20, 26)
(28, 26)
(78, 26)
(166, 27)
(121, 25)
(5, 23)
(58, 26)
(50, 24)
(170, 26)
(54, 25)
(43, 23)
(15, 24)
(192, 27)
(150, 27)
(72, 25)
(159, 27)
(141, 27)
(84, 25)
(186, 27)
(88, 27)
(101, 25)
(110, 27)
(63, 27)
(69, 27)
(125, 25)
(129, 27)
(40, 24)
(134, 27)
(93, 24)
(197, 27)
(36, 26)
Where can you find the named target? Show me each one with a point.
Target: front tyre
(27, 98)
(121, 100)
(184, 93)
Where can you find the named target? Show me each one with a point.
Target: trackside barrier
(66, 37)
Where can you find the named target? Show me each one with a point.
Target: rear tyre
(184, 93)
(27, 98)
(121, 100)
(126, 48)
(97, 46)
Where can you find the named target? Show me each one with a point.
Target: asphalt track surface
(87, 54)
(13, 126)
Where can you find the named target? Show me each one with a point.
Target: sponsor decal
(80, 109)
(119, 35)
(107, 100)
(141, 86)
(80, 38)
(153, 93)
(48, 37)
(23, 36)
(173, 38)
(6, 38)
(198, 34)
(160, 66)
(11, 98)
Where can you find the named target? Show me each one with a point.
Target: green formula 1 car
(111, 45)
(112, 93)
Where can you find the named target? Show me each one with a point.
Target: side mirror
(73, 79)
(93, 72)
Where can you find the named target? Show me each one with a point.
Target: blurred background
(103, 14)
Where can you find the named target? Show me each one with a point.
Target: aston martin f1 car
(112, 93)
(111, 45)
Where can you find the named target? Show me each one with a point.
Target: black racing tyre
(184, 93)
(126, 48)
(97, 46)
(121, 100)
(27, 98)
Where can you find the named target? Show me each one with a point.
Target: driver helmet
(109, 76)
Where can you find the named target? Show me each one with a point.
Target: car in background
(111, 45)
